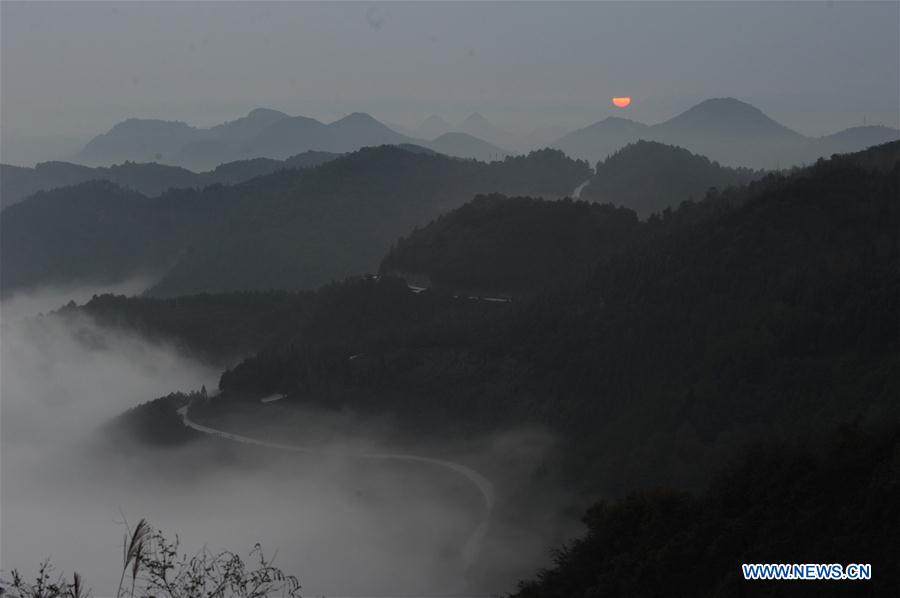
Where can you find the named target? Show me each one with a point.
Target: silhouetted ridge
(704, 326)
(726, 112)
(17, 183)
(432, 127)
(463, 145)
(709, 325)
(291, 229)
(727, 130)
(265, 114)
(507, 246)
(648, 177)
(263, 133)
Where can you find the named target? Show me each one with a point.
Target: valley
(532, 300)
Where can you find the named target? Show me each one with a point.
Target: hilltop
(727, 130)
(264, 133)
(649, 177)
(17, 182)
(291, 229)
(703, 329)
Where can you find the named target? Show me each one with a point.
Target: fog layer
(342, 525)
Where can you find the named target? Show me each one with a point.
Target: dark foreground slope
(836, 504)
(772, 316)
(292, 229)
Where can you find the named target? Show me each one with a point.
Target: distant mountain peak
(432, 127)
(256, 118)
(479, 126)
(727, 104)
(357, 118)
(725, 108)
(476, 118)
(464, 145)
(265, 113)
(714, 127)
(362, 123)
(725, 112)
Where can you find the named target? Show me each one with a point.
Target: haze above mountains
(727, 130)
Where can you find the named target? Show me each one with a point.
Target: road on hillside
(576, 194)
(473, 544)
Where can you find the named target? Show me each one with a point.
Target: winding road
(576, 194)
(472, 546)
(485, 487)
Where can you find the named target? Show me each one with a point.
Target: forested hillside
(773, 317)
(837, 503)
(649, 177)
(293, 229)
(763, 313)
(216, 328)
(98, 232)
(509, 245)
(17, 183)
(340, 218)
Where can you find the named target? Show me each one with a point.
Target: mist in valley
(344, 525)
(450, 299)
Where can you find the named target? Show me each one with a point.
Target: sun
(621, 102)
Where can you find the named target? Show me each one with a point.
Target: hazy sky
(77, 68)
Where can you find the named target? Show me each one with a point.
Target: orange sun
(621, 102)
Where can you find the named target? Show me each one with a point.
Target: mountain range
(293, 228)
(262, 133)
(509, 247)
(260, 230)
(663, 348)
(726, 130)
(761, 315)
(480, 127)
(18, 182)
